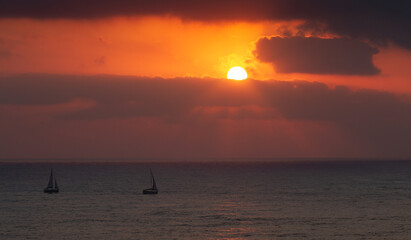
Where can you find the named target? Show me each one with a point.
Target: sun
(237, 73)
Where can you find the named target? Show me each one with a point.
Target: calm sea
(345, 200)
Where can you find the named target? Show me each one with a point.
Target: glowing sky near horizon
(128, 81)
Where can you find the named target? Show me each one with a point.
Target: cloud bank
(317, 56)
(378, 120)
(378, 21)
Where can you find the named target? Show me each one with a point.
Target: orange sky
(155, 86)
(167, 47)
(149, 46)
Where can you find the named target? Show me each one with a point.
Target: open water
(344, 200)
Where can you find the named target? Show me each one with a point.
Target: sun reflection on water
(234, 228)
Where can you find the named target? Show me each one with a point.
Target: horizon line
(194, 160)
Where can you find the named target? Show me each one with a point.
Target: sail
(153, 181)
(154, 186)
(55, 184)
(50, 185)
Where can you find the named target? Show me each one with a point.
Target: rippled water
(208, 201)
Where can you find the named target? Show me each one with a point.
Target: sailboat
(52, 186)
(153, 189)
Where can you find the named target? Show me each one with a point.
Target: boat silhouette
(52, 186)
(153, 189)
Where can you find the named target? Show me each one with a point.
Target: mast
(151, 180)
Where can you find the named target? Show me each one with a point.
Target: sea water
(323, 200)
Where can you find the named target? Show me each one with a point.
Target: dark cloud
(89, 9)
(118, 96)
(378, 119)
(313, 101)
(115, 96)
(316, 55)
(377, 20)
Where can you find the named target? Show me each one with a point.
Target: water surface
(347, 200)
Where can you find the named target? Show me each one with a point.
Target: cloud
(314, 101)
(115, 96)
(122, 97)
(316, 55)
(371, 119)
(378, 118)
(378, 21)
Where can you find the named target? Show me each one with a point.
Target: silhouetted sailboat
(153, 189)
(52, 186)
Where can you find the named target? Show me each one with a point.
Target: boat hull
(150, 191)
(51, 190)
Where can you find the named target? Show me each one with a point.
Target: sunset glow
(144, 79)
(250, 119)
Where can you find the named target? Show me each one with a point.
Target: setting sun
(237, 73)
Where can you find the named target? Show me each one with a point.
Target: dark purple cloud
(318, 56)
(115, 96)
(378, 119)
(377, 20)
(140, 96)
(120, 97)
(89, 9)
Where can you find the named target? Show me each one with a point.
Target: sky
(147, 79)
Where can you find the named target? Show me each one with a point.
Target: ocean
(227, 200)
